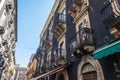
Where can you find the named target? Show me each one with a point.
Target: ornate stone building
(20, 73)
(32, 67)
(80, 41)
(8, 37)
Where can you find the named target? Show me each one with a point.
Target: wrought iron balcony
(59, 57)
(59, 20)
(47, 44)
(82, 42)
(59, 25)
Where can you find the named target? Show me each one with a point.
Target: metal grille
(90, 75)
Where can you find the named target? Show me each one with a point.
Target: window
(82, 31)
(8, 7)
(50, 35)
(62, 16)
(62, 51)
(83, 24)
(61, 45)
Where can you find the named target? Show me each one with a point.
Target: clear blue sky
(32, 15)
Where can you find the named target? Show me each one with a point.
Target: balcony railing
(59, 24)
(82, 42)
(59, 57)
(60, 19)
(47, 44)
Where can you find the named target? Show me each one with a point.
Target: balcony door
(82, 33)
(61, 77)
(61, 49)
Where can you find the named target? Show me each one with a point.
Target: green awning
(106, 50)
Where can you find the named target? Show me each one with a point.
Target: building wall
(32, 67)
(20, 73)
(8, 38)
(106, 68)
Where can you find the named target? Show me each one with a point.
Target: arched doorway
(89, 69)
(62, 75)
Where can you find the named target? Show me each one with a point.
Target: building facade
(8, 38)
(32, 67)
(80, 41)
(20, 73)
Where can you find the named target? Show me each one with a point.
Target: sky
(32, 15)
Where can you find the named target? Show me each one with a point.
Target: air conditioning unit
(1, 30)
